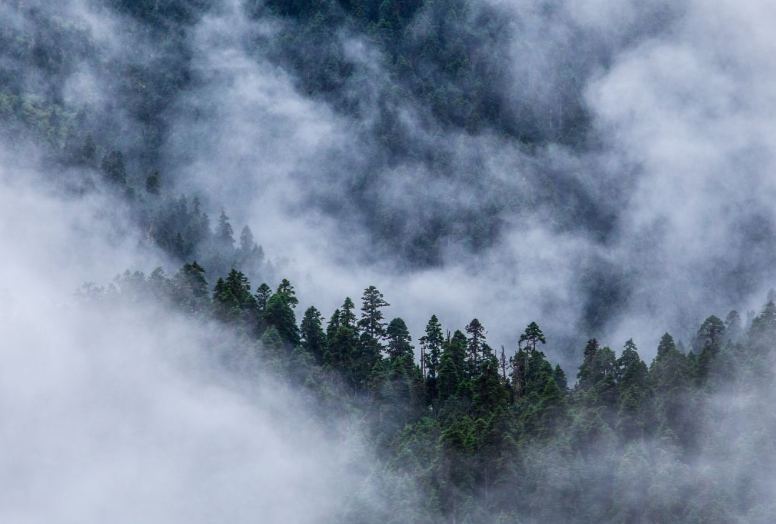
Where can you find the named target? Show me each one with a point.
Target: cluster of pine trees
(465, 433)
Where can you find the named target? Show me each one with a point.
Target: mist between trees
(558, 170)
(470, 434)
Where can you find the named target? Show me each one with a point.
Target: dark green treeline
(466, 433)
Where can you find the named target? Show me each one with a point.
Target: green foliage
(621, 447)
(279, 315)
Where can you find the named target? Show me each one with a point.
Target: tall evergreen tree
(560, 378)
(372, 327)
(733, 326)
(476, 340)
(347, 317)
(224, 235)
(287, 293)
(586, 375)
(633, 390)
(452, 367)
(532, 336)
(190, 289)
(372, 323)
(313, 337)
(431, 343)
(707, 345)
(263, 292)
(280, 315)
(399, 340)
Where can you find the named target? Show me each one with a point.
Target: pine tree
(476, 340)
(280, 315)
(240, 287)
(373, 331)
(762, 332)
(371, 322)
(343, 344)
(247, 243)
(333, 325)
(190, 289)
(519, 364)
(346, 317)
(313, 337)
(224, 235)
(733, 326)
(586, 375)
(399, 340)
(272, 344)
(633, 391)
(452, 367)
(226, 306)
(431, 343)
(671, 377)
(707, 345)
(262, 297)
(286, 291)
(560, 378)
(532, 336)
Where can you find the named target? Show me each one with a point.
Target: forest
(467, 433)
(524, 147)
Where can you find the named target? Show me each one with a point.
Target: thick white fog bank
(124, 416)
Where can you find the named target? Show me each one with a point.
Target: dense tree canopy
(504, 439)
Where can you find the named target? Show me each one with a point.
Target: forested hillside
(469, 433)
(526, 181)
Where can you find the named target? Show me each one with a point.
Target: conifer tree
(586, 375)
(532, 336)
(707, 345)
(372, 327)
(287, 293)
(399, 340)
(733, 326)
(190, 289)
(262, 297)
(226, 306)
(489, 391)
(347, 317)
(431, 343)
(560, 378)
(333, 325)
(372, 323)
(224, 236)
(280, 315)
(633, 391)
(343, 343)
(671, 377)
(763, 329)
(519, 365)
(452, 367)
(247, 243)
(313, 337)
(476, 340)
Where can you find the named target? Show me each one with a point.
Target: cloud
(125, 413)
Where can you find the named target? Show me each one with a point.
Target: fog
(126, 413)
(677, 171)
(654, 216)
(625, 187)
